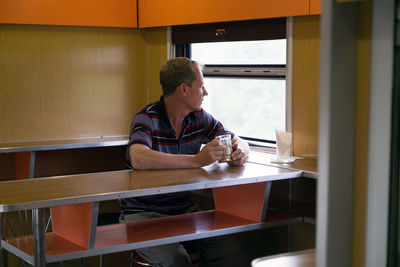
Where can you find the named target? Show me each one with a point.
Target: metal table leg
(2, 262)
(39, 238)
(290, 212)
(32, 160)
(101, 261)
(32, 165)
(3, 235)
(266, 200)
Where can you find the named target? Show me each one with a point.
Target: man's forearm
(143, 159)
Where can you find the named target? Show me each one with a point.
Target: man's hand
(240, 152)
(210, 153)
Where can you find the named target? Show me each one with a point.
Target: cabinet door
(177, 12)
(116, 13)
(315, 7)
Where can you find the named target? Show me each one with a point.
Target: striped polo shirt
(151, 127)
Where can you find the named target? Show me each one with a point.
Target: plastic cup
(283, 145)
(225, 140)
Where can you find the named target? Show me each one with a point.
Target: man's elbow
(138, 157)
(138, 163)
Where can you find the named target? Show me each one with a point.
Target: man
(168, 134)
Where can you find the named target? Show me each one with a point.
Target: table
(309, 168)
(241, 200)
(295, 259)
(307, 165)
(25, 157)
(25, 151)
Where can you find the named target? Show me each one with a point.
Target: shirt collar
(161, 109)
(163, 112)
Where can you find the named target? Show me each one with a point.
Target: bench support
(2, 258)
(38, 236)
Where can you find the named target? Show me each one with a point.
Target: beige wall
(156, 56)
(305, 99)
(67, 82)
(305, 89)
(72, 82)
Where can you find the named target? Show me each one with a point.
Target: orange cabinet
(315, 7)
(151, 13)
(116, 13)
(154, 13)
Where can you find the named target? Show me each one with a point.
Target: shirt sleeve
(141, 130)
(141, 133)
(214, 128)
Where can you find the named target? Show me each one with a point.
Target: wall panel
(156, 56)
(69, 82)
(305, 85)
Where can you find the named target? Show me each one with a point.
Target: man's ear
(183, 89)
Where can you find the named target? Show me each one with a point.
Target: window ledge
(264, 149)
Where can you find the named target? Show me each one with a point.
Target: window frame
(269, 29)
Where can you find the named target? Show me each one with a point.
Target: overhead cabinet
(153, 13)
(106, 13)
(315, 7)
(148, 13)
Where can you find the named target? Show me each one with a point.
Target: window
(245, 75)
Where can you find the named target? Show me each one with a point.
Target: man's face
(197, 91)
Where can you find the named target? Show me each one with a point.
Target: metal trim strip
(62, 146)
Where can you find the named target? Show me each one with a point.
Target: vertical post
(290, 212)
(38, 236)
(337, 132)
(266, 200)
(380, 143)
(93, 224)
(4, 222)
(32, 165)
(101, 261)
(2, 263)
(31, 176)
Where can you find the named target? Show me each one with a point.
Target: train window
(245, 79)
